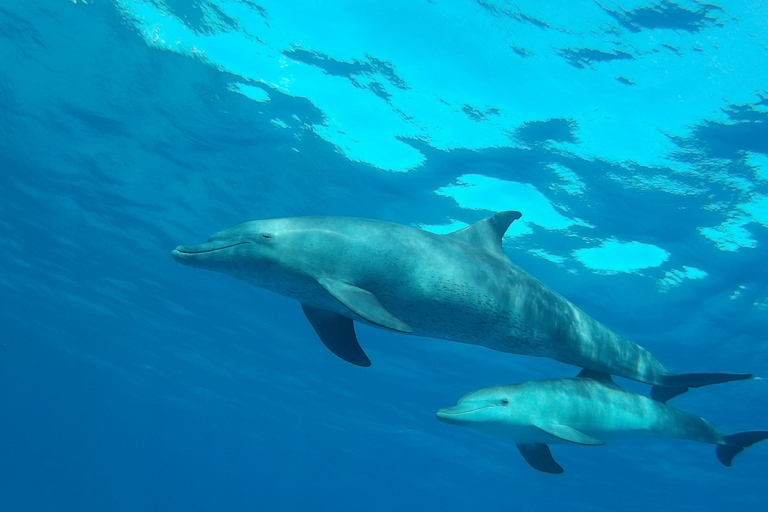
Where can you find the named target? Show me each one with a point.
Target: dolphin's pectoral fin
(569, 434)
(363, 303)
(337, 333)
(539, 457)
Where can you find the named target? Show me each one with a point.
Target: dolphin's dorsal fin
(487, 233)
(600, 377)
(569, 434)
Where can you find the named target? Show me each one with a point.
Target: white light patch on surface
(674, 278)
(558, 260)
(613, 256)
(249, 91)
(736, 182)
(446, 66)
(476, 192)
(757, 209)
(731, 235)
(442, 229)
(361, 126)
(656, 182)
(572, 184)
(760, 162)
(738, 292)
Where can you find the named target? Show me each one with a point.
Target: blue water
(633, 136)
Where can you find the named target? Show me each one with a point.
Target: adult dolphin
(588, 410)
(460, 287)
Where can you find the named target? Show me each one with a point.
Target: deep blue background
(129, 382)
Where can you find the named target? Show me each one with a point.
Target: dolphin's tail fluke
(735, 444)
(674, 385)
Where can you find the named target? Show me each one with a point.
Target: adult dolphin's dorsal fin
(569, 434)
(487, 233)
(539, 457)
(364, 304)
(338, 334)
(600, 377)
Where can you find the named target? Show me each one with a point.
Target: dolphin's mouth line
(211, 250)
(447, 413)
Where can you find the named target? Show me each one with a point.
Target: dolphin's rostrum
(460, 287)
(588, 410)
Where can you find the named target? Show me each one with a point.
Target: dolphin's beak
(459, 414)
(444, 416)
(192, 254)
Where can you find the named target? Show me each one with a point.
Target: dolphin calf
(589, 410)
(460, 287)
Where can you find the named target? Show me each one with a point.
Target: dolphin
(460, 287)
(588, 410)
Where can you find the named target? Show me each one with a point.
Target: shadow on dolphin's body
(588, 410)
(460, 287)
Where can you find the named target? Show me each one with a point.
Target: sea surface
(632, 135)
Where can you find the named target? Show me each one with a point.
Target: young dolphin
(589, 410)
(460, 287)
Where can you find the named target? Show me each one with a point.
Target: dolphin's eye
(266, 236)
(504, 401)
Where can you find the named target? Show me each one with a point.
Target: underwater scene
(404, 255)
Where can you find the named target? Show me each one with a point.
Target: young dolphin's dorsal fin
(486, 234)
(600, 377)
(569, 434)
(539, 457)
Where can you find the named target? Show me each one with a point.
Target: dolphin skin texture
(588, 410)
(460, 287)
